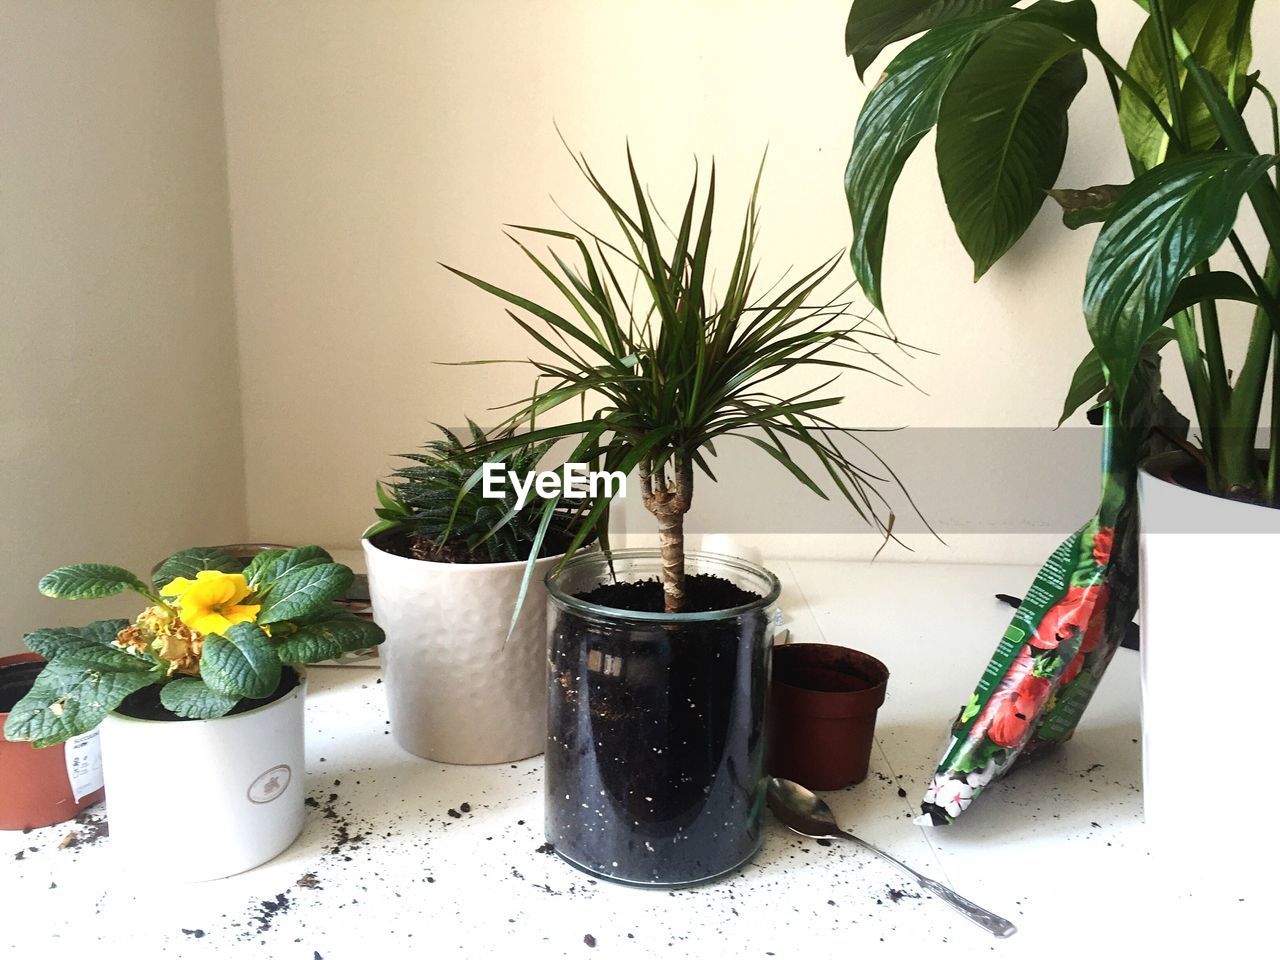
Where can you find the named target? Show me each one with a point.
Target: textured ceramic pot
(823, 701)
(41, 786)
(458, 689)
(1209, 574)
(203, 799)
(655, 740)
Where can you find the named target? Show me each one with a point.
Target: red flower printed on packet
(1073, 668)
(1009, 726)
(1102, 542)
(1070, 616)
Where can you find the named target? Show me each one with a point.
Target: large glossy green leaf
(243, 663)
(874, 24)
(1214, 285)
(88, 581)
(1002, 134)
(74, 692)
(1169, 220)
(898, 112)
(188, 563)
(1207, 27)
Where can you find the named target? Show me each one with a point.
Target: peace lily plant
(996, 82)
(216, 633)
(1174, 261)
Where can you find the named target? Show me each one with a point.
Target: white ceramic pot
(458, 690)
(1210, 570)
(203, 799)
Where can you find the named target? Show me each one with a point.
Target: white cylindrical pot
(203, 799)
(1210, 569)
(458, 689)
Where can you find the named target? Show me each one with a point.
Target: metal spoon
(807, 814)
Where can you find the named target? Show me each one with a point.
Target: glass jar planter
(655, 739)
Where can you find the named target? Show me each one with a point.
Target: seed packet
(1061, 639)
(1042, 654)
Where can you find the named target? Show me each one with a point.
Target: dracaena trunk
(668, 500)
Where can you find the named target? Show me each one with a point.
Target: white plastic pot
(1210, 573)
(458, 690)
(203, 799)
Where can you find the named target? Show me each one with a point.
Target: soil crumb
(92, 827)
(267, 911)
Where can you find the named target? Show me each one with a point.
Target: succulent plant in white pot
(450, 571)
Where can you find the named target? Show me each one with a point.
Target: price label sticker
(84, 764)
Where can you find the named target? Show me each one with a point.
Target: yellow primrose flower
(211, 602)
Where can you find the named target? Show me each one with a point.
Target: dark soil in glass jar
(655, 739)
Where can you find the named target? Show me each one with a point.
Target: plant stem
(1113, 66)
(1184, 328)
(1273, 457)
(1169, 61)
(1275, 123)
(669, 501)
(1220, 390)
(1237, 463)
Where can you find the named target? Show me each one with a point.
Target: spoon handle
(995, 925)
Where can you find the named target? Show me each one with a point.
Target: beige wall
(120, 395)
(369, 140)
(364, 141)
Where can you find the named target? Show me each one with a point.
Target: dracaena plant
(215, 632)
(996, 82)
(440, 509)
(671, 370)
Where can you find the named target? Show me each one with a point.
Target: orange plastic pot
(36, 783)
(823, 701)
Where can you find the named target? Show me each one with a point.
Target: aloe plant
(435, 502)
(671, 371)
(996, 81)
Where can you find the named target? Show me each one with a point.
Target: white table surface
(384, 869)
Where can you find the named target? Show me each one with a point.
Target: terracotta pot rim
(866, 658)
(13, 660)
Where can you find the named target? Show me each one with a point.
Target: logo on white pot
(270, 784)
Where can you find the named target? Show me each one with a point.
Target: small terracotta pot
(822, 714)
(37, 788)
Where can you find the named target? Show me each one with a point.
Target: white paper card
(84, 764)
